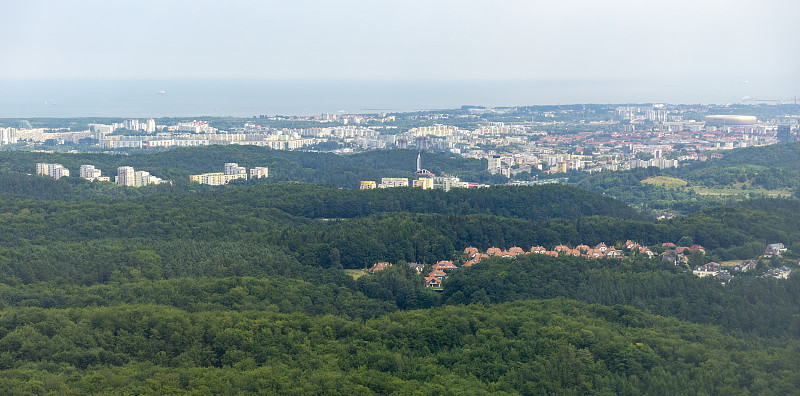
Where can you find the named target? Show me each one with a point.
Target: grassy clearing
(665, 181)
(355, 273)
(740, 191)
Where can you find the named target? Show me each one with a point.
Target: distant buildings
(89, 172)
(232, 172)
(127, 176)
(368, 185)
(56, 171)
(390, 182)
(259, 172)
(8, 136)
(425, 183)
(779, 273)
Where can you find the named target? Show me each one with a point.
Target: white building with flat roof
(56, 171)
(89, 172)
(259, 172)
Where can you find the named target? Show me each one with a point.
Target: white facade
(259, 172)
(232, 168)
(8, 136)
(56, 171)
(89, 172)
(125, 176)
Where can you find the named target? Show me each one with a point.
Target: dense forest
(177, 164)
(259, 287)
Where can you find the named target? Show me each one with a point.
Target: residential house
(723, 276)
(777, 246)
(538, 249)
(745, 266)
(594, 253)
(417, 267)
(709, 269)
(444, 265)
(432, 281)
(697, 248)
(378, 267)
(779, 273)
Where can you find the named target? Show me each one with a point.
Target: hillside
(741, 174)
(249, 288)
(177, 164)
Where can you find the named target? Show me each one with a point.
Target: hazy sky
(408, 39)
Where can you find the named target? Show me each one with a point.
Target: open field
(733, 190)
(665, 181)
(355, 273)
(740, 191)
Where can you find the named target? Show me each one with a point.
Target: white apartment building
(8, 136)
(89, 172)
(125, 176)
(56, 171)
(232, 168)
(259, 172)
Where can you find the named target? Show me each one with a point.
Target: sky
(400, 40)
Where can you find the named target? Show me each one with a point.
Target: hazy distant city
(524, 144)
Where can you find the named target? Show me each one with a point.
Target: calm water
(139, 98)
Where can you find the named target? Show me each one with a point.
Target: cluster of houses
(774, 250)
(443, 268)
(600, 250)
(680, 254)
(715, 269)
(674, 254)
(780, 273)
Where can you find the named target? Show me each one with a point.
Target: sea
(20, 98)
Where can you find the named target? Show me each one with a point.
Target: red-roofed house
(433, 281)
(444, 265)
(379, 267)
(698, 248)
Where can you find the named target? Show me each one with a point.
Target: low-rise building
(390, 182)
